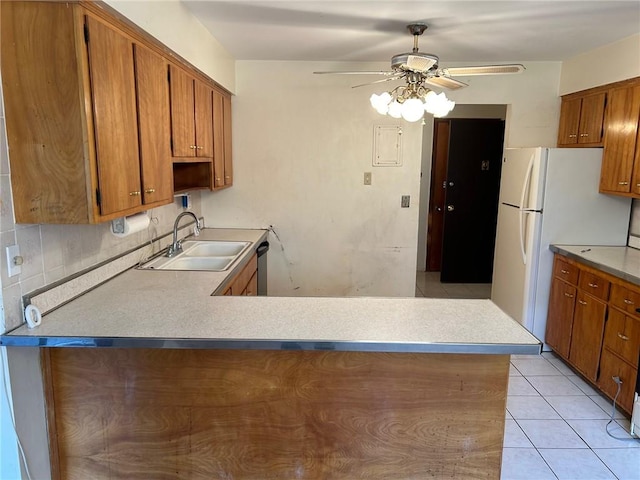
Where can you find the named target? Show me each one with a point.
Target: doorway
(463, 200)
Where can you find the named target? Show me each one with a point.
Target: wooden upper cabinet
(618, 174)
(569, 121)
(45, 113)
(581, 120)
(228, 155)
(82, 128)
(154, 125)
(204, 119)
(191, 115)
(115, 117)
(222, 158)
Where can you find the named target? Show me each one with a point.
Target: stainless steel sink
(203, 255)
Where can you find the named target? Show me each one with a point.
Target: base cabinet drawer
(611, 366)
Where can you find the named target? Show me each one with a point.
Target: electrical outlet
(14, 260)
(367, 178)
(404, 202)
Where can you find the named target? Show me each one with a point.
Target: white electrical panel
(387, 146)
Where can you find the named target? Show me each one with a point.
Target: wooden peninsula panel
(253, 414)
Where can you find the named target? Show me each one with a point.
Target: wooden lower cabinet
(258, 414)
(560, 319)
(587, 331)
(593, 323)
(245, 282)
(611, 366)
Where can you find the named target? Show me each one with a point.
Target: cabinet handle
(582, 302)
(150, 190)
(584, 134)
(572, 135)
(628, 302)
(134, 194)
(227, 177)
(593, 285)
(564, 272)
(200, 148)
(192, 147)
(623, 337)
(623, 183)
(568, 295)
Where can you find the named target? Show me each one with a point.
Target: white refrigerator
(548, 195)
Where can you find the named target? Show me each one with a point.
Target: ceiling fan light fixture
(411, 103)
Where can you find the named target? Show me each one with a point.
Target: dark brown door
(435, 222)
(471, 200)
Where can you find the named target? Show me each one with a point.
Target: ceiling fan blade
(483, 70)
(397, 77)
(445, 82)
(358, 73)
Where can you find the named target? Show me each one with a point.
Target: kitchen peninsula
(184, 384)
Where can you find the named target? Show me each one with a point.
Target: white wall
(610, 63)
(302, 143)
(173, 24)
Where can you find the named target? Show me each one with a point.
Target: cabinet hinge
(86, 33)
(98, 197)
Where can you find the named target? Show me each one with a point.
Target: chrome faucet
(176, 245)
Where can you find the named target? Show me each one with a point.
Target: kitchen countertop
(175, 309)
(622, 262)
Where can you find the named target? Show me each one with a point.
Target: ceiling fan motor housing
(414, 62)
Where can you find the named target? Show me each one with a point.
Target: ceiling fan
(420, 68)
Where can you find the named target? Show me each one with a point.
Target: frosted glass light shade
(395, 109)
(412, 109)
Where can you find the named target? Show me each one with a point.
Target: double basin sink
(207, 255)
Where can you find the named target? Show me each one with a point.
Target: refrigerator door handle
(525, 183)
(521, 229)
(523, 210)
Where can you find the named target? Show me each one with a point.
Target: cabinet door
(560, 317)
(115, 118)
(218, 139)
(591, 118)
(620, 139)
(569, 121)
(154, 124)
(204, 120)
(612, 366)
(587, 333)
(622, 336)
(228, 154)
(183, 126)
(635, 177)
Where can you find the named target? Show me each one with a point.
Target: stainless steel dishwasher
(261, 251)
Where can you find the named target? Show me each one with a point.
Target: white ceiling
(374, 30)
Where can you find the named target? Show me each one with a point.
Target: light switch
(14, 260)
(367, 178)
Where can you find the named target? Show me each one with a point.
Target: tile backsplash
(53, 252)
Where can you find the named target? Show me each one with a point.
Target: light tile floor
(555, 423)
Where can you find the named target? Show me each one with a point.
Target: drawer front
(566, 271)
(594, 285)
(625, 299)
(622, 336)
(612, 366)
